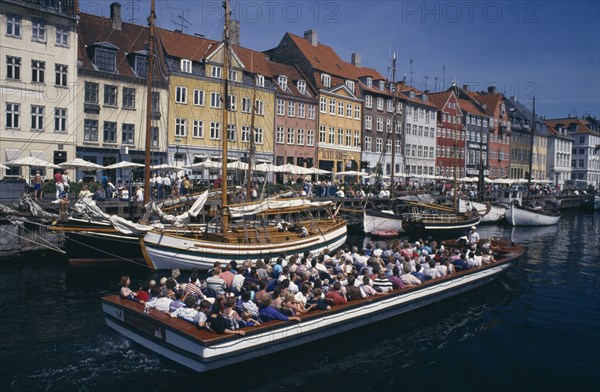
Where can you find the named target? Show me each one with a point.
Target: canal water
(535, 328)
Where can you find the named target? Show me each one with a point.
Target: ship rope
(47, 244)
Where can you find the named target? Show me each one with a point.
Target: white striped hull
(521, 217)
(495, 214)
(165, 251)
(382, 222)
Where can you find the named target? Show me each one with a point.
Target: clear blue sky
(550, 49)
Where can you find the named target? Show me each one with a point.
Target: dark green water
(535, 328)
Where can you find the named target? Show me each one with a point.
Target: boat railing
(431, 217)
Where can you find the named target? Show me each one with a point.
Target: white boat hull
(496, 213)
(163, 251)
(382, 221)
(189, 350)
(522, 217)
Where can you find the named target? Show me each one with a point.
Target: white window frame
(186, 66)
(181, 94)
(199, 97)
(198, 129)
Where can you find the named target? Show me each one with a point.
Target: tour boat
(202, 350)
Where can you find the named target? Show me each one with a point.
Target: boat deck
(506, 252)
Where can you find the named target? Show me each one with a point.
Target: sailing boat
(527, 214)
(246, 240)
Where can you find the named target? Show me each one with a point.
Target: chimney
(466, 87)
(491, 89)
(234, 32)
(355, 60)
(115, 16)
(311, 36)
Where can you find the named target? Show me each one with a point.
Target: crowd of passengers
(248, 294)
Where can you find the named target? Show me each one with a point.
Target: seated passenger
(203, 312)
(267, 312)
(337, 294)
(395, 278)
(461, 263)
(420, 275)
(353, 291)
(179, 300)
(247, 304)
(188, 312)
(407, 278)
(217, 323)
(289, 302)
(303, 232)
(249, 320)
(232, 318)
(125, 290)
(158, 302)
(382, 284)
(431, 269)
(367, 288)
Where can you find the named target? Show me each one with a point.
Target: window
(340, 109)
(90, 130)
(301, 110)
(350, 85)
(60, 120)
(300, 137)
(128, 98)
(37, 118)
(180, 94)
(198, 129)
(91, 93)
(291, 109)
(331, 135)
(369, 81)
(216, 72)
(105, 59)
(368, 122)
(62, 36)
(368, 101)
(232, 102)
(381, 85)
(245, 134)
(380, 124)
(110, 132)
(140, 65)
(357, 112)
(215, 100)
(260, 81)
(37, 71)
(322, 136)
(38, 30)
(311, 112)
(379, 103)
(215, 131)
(302, 86)
(246, 105)
(349, 110)
(233, 75)
(279, 135)
(356, 139)
(13, 68)
(260, 107)
(348, 137)
(154, 132)
(282, 82)
(198, 97)
(326, 80)
(231, 133)
(332, 106)
(186, 66)
(290, 136)
(61, 72)
(388, 147)
(323, 105)
(155, 107)
(110, 95)
(340, 137)
(310, 137)
(378, 144)
(390, 105)
(127, 133)
(13, 25)
(368, 142)
(280, 107)
(180, 127)
(258, 135)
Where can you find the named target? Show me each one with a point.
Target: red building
(450, 154)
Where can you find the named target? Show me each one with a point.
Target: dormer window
(411, 94)
(260, 81)
(392, 87)
(216, 72)
(105, 56)
(186, 66)
(369, 81)
(140, 66)
(425, 98)
(350, 85)
(282, 82)
(326, 80)
(302, 86)
(381, 85)
(233, 75)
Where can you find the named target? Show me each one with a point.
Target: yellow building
(195, 119)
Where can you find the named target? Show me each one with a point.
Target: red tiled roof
(469, 107)
(293, 75)
(94, 29)
(582, 125)
(440, 98)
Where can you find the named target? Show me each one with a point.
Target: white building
(38, 73)
(560, 145)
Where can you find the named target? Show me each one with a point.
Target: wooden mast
(252, 146)
(225, 131)
(531, 152)
(149, 77)
(394, 126)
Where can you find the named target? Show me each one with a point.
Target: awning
(12, 154)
